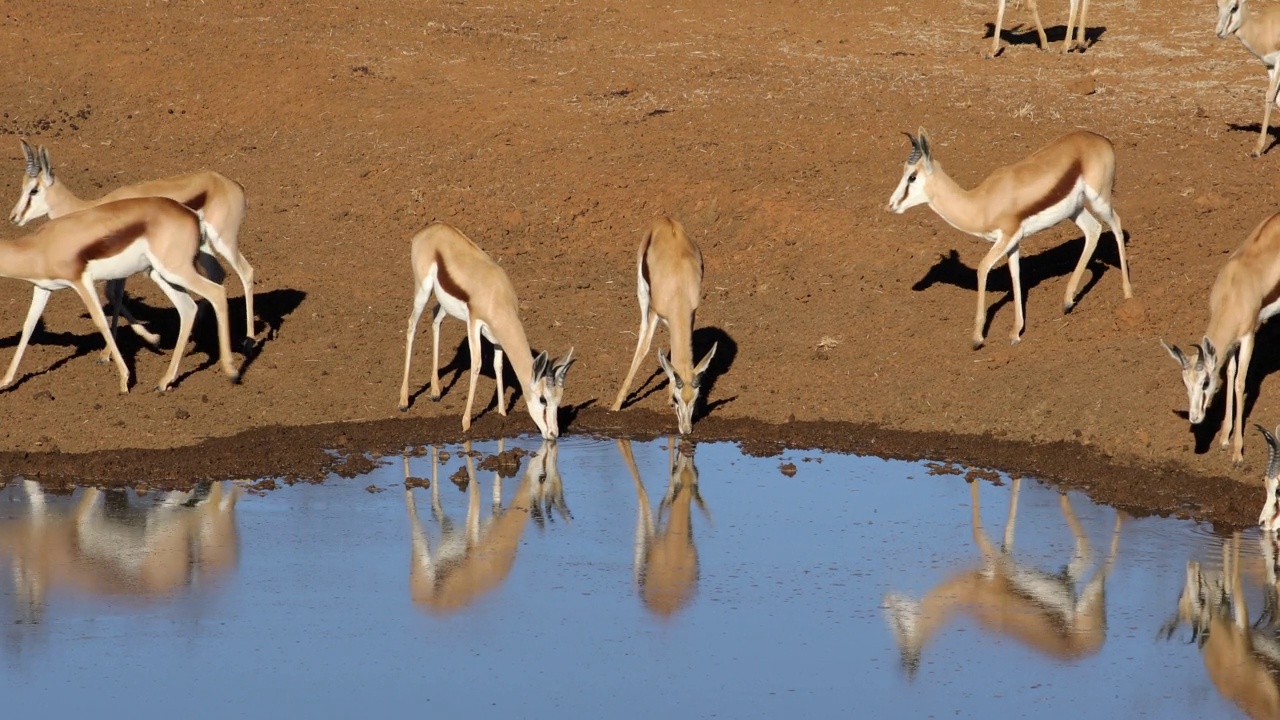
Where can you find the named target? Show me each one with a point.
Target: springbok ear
(561, 367)
(701, 369)
(1210, 352)
(1175, 352)
(46, 167)
(1273, 453)
(925, 146)
(540, 366)
(666, 364)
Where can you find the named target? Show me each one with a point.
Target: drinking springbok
(669, 287)
(1243, 297)
(471, 287)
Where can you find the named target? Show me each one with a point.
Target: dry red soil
(553, 132)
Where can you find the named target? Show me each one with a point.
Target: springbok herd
(166, 227)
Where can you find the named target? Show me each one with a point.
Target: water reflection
(666, 558)
(118, 543)
(1049, 612)
(1242, 657)
(472, 560)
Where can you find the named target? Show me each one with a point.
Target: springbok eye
(911, 178)
(34, 191)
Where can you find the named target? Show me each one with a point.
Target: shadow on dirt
(1273, 133)
(1026, 34)
(1055, 262)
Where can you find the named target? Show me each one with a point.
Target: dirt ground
(552, 132)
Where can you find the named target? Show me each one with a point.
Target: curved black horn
(29, 152)
(915, 149)
(1273, 451)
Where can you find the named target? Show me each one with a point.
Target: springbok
(1243, 297)
(1069, 43)
(472, 562)
(108, 544)
(1259, 31)
(666, 558)
(1066, 179)
(1269, 518)
(1239, 654)
(471, 287)
(110, 242)
(1043, 610)
(669, 287)
(218, 201)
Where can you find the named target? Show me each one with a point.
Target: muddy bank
(310, 454)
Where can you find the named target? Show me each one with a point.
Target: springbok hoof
(1255, 154)
(1067, 307)
(161, 389)
(435, 397)
(978, 343)
(247, 344)
(235, 378)
(403, 407)
(1015, 339)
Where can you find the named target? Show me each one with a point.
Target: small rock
(181, 414)
(1131, 314)
(1086, 85)
(788, 469)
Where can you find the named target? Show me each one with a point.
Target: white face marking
(912, 188)
(1230, 17)
(32, 202)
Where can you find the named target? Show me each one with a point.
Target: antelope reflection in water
(1242, 658)
(473, 560)
(666, 559)
(109, 543)
(1045, 611)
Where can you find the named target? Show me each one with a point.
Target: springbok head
(547, 391)
(1230, 17)
(685, 391)
(913, 188)
(1200, 377)
(33, 202)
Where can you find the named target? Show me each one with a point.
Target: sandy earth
(553, 132)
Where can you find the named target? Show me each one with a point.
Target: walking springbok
(1243, 297)
(472, 562)
(669, 287)
(1239, 654)
(109, 544)
(1069, 43)
(666, 559)
(110, 242)
(1259, 31)
(471, 287)
(1066, 179)
(218, 201)
(1044, 610)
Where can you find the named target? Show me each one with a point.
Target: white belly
(134, 259)
(1056, 213)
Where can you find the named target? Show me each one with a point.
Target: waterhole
(600, 578)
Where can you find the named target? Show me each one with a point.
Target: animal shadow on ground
(83, 344)
(1265, 360)
(703, 339)
(459, 365)
(1273, 133)
(1056, 34)
(1055, 262)
(271, 307)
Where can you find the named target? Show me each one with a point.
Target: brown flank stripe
(111, 243)
(1059, 191)
(197, 202)
(446, 282)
